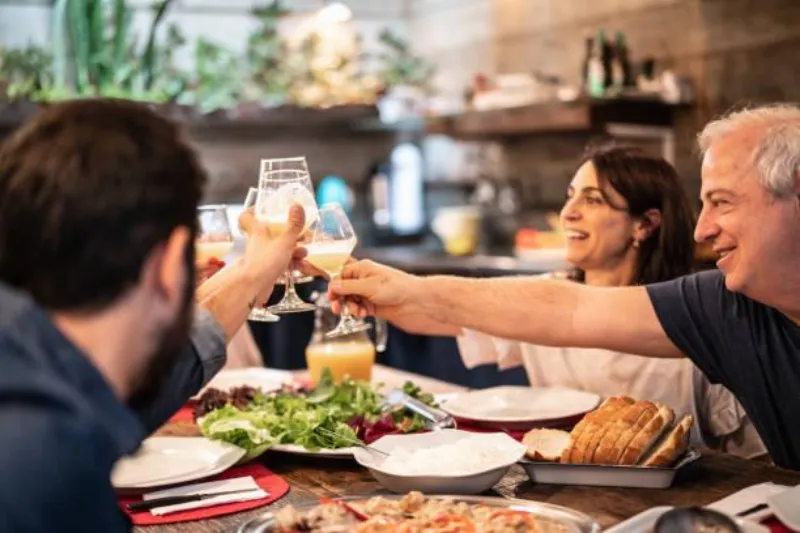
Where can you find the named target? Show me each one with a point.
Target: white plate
(295, 449)
(515, 405)
(169, 460)
(266, 379)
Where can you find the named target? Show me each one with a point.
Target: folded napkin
(747, 498)
(254, 492)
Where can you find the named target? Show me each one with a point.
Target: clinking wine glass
(288, 163)
(330, 243)
(260, 313)
(214, 238)
(278, 191)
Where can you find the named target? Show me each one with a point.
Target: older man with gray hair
(739, 324)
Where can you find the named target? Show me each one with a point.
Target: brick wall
(736, 51)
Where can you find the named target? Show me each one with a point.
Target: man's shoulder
(56, 469)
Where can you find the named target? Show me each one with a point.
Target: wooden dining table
(710, 478)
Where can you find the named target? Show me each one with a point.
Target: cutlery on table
(146, 505)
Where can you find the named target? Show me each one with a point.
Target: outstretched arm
(529, 309)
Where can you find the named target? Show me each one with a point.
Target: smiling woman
(628, 222)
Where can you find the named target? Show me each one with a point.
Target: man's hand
(267, 257)
(379, 290)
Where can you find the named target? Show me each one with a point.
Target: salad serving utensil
(354, 442)
(437, 418)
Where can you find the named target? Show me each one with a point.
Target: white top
(720, 421)
(243, 351)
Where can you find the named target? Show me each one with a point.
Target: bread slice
(571, 451)
(672, 445)
(587, 439)
(566, 455)
(621, 431)
(647, 436)
(545, 444)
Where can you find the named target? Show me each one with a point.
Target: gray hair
(776, 156)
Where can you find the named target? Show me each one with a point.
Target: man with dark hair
(98, 210)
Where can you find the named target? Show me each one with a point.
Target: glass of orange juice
(348, 358)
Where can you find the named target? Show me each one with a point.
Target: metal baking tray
(552, 518)
(606, 475)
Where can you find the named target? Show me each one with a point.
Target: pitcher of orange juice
(352, 355)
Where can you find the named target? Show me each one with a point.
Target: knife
(146, 505)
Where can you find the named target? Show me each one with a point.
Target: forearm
(528, 309)
(230, 295)
(548, 312)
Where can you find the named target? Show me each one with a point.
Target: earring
(635, 243)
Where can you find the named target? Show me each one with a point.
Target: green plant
(268, 78)
(26, 72)
(217, 79)
(400, 65)
(96, 52)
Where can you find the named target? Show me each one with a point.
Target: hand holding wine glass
(330, 243)
(278, 190)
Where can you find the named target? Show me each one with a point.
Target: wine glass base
(259, 314)
(283, 309)
(291, 303)
(343, 330)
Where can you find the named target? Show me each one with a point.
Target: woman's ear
(647, 225)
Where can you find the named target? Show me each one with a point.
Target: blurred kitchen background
(448, 128)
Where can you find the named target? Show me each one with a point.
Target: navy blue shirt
(750, 348)
(62, 428)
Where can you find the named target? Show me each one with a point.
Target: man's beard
(173, 344)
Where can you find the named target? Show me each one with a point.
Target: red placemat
(775, 525)
(272, 483)
(185, 413)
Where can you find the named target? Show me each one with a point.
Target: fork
(352, 441)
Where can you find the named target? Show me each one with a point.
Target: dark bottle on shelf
(587, 58)
(606, 55)
(622, 60)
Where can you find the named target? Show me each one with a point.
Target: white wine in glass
(331, 242)
(214, 238)
(278, 191)
(259, 313)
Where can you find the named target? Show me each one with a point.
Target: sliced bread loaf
(672, 446)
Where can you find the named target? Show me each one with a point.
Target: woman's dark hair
(648, 182)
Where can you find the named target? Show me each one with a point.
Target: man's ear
(167, 268)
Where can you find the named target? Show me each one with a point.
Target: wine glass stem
(290, 284)
(346, 316)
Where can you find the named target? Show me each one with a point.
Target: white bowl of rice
(441, 462)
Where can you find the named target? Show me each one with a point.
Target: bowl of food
(448, 461)
(420, 512)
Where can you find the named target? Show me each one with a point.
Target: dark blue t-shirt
(750, 348)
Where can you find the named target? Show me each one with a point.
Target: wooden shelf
(275, 121)
(589, 115)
